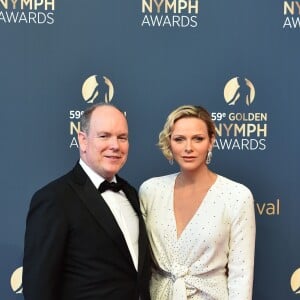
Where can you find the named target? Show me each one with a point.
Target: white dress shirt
(122, 211)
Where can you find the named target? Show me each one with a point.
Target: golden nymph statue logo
(295, 281)
(96, 87)
(16, 281)
(240, 129)
(239, 89)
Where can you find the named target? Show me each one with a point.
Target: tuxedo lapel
(96, 205)
(143, 244)
(130, 195)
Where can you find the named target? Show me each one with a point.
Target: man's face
(105, 147)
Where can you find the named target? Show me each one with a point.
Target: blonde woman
(201, 225)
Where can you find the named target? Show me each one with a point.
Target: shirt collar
(94, 177)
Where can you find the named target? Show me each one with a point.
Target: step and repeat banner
(239, 59)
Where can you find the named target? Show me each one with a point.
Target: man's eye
(123, 138)
(102, 136)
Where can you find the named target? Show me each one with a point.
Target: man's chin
(110, 173)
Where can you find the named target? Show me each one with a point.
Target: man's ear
(82, 140)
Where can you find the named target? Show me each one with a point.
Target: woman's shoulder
(231, 186)
(159, 181)
(236, 197)
(153, 189)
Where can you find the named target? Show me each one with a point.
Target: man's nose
(114, 142)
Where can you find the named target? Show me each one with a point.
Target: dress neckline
(197, 211)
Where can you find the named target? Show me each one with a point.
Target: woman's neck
(203, 178)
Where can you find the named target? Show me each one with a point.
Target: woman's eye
(178, 139)
(199, 138)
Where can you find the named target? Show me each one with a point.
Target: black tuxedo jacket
(74, 249)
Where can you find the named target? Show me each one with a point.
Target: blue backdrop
(239, 59)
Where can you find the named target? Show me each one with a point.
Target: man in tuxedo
(85, 236)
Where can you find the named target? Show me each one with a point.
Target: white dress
(219, 239)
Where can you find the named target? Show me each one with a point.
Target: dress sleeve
(45, 237)
(241, 247)
(143, 196)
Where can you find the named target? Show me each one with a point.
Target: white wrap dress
(213, 259)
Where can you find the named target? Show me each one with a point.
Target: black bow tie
(112, 186)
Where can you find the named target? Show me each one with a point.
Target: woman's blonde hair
(185, 111)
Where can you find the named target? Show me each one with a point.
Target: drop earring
(209, 157)
(171, 160)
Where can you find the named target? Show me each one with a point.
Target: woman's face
(190, 143)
